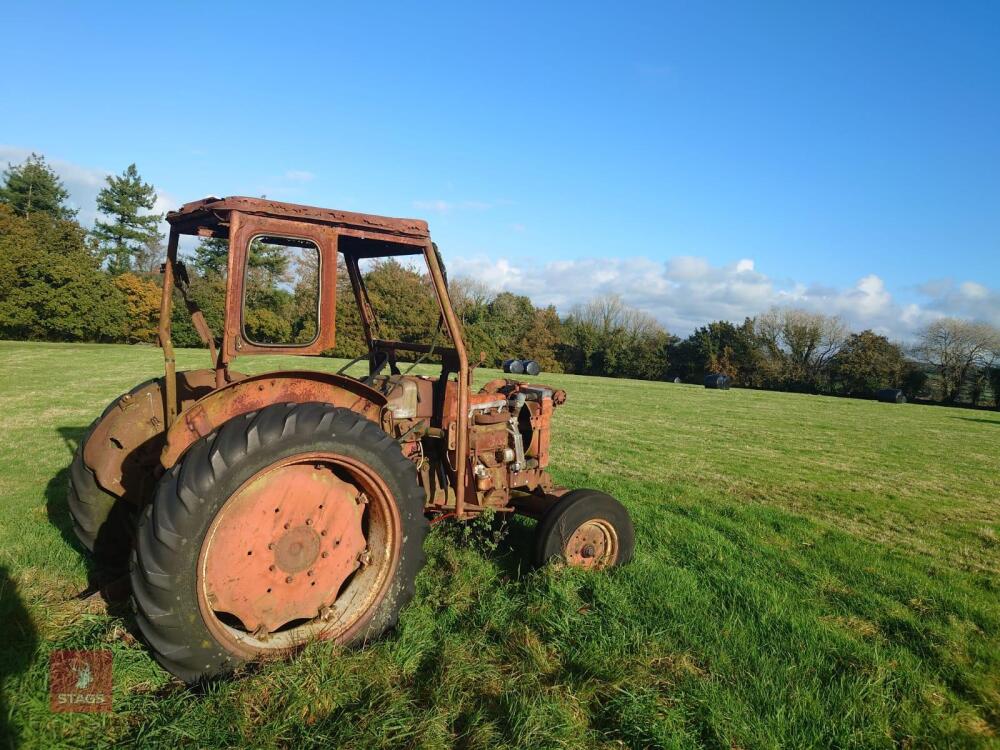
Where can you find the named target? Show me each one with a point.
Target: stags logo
(80, 681)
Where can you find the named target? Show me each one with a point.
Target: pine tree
(127, 201)
(211, 256)
(32, 187)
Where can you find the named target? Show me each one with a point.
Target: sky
(703, 160)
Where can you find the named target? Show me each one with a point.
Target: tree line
(60, 281)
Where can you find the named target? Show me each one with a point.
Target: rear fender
(124, 447)
(209, 413)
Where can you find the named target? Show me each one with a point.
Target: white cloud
(685, 292)
(973, 291)
(968, 299)
(164, 202)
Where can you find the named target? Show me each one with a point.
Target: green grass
(809, 571)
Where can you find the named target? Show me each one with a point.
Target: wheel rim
(304, 549)
(594, 544)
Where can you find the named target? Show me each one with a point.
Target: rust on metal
(163, 331)
(209, 216)
(471, 455)
(593, 544)
(196, 420)
(244, 227)
(264, 561)
(293, 556)
(254, 393)
(124, 448)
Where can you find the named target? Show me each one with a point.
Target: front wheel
(585, 529)
(294, 523)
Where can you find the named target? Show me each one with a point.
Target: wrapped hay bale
(890, 396)
(718, 381)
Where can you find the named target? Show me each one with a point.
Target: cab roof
(210, 217)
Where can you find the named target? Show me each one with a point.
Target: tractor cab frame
(452, 486)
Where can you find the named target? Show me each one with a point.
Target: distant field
(809, 571)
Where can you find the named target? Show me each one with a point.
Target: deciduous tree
(867, 362)
(956, 349)
(141, 299)
(607, 337)
(404, 302)
(51, 287)
(800, 345)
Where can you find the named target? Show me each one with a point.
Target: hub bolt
(588, 551)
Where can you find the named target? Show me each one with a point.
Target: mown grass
(810, 572)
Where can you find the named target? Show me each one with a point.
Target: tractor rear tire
(587, 529)
(202, 617)
(102, 522)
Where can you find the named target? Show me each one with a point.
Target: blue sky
(703, 160)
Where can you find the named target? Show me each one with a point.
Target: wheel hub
(297, 549)
(283, 546)
(593, 544)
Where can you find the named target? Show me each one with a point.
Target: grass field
(809, 572)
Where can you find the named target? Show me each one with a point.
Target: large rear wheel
(294, 523)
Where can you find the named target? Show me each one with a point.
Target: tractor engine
(509, 435)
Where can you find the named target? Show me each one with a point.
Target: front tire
(585, 529)
(294, 523)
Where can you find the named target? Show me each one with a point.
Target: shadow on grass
(515, 551)
(18, 652)
(506, 540)
(56, 490)
(980, 419)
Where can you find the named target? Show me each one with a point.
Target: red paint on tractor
(253, 393)
(284, 545)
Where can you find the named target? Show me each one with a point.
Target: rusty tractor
(256, 513)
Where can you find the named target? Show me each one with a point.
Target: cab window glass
(281, 291)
